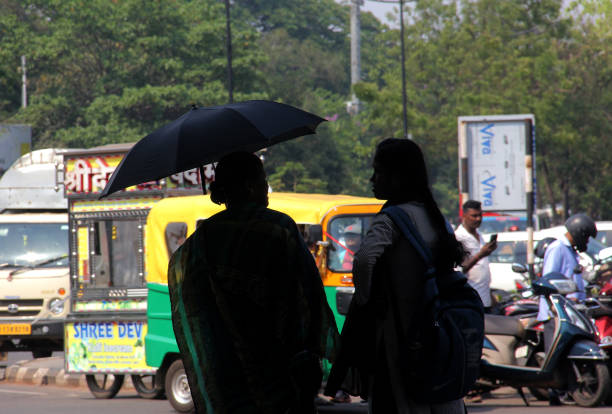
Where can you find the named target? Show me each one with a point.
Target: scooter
(521, 302)
(572, 362)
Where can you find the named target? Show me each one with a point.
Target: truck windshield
(25, 244)
(345, 234)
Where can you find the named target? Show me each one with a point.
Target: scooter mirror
(605, 254)
(518, 268)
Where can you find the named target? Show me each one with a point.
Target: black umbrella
(204, 135)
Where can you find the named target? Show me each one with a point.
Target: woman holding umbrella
(248, 306)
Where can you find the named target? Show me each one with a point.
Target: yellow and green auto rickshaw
(332, 226)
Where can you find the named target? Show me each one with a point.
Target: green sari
(250, 315)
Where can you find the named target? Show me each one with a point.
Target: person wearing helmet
(562, 256)
(350, 241)
(542, 245)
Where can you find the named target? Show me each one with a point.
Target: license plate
(16, 329)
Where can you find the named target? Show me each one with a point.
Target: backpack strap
(409, 231)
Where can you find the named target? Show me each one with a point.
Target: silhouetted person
(248, 306)
(389, 284)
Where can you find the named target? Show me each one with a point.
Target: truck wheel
(104, 385)
(41, 354)
(589, 382)
(147, 387)
(177, 388)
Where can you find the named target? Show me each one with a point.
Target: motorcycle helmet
(581, 227)
(542, 245)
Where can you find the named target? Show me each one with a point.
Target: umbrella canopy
(204, 135)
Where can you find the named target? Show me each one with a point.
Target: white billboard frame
(474, 174)
(499, 174)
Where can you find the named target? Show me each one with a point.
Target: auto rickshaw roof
(302, 208)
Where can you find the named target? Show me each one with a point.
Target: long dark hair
(403, 160)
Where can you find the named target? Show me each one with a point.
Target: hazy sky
(380, 10)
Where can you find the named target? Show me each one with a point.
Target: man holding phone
(476, 264)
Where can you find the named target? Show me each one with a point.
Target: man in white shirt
(476, 264)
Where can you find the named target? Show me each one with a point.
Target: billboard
(15, 140)
(495, 160)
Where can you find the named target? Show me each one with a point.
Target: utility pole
(404, 111)
(228, 42)
(24, 92)
(404, 99)
(353, 105)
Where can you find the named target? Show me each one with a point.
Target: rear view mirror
(313, 234)
(518, 268)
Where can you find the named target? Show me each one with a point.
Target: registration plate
(15, 329)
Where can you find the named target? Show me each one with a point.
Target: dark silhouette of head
(239, 178)
(400, 175)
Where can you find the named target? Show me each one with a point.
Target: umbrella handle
(202, 180)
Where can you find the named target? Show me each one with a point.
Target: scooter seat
(503, 325)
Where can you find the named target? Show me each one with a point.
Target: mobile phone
(493, 238)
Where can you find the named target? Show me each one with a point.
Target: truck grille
(20, 307)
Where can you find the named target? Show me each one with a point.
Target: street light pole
(404, 104)
(24, 91)
(355, 53)
(404, 99)
(228, 42)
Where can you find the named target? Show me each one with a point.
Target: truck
(34, 276)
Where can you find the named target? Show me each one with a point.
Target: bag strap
(404, 223)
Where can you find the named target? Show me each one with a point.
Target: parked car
(604, 232)
(511, 248)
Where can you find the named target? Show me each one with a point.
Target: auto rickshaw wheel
(177, 388)
(104, 386)
(148, 386)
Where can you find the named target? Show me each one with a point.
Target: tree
(94, 81)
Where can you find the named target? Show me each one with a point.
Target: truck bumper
(48, 334)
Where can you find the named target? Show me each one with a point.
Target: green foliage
(103, 71)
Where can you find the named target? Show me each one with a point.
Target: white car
(512, 248)
(604, 232)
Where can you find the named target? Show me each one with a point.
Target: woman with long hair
(389, 283)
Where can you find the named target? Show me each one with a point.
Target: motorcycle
(521, 302)
(572, 361)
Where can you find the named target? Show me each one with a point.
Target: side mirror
(518, 268)
(313, 234)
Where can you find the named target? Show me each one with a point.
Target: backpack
(443, 356)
